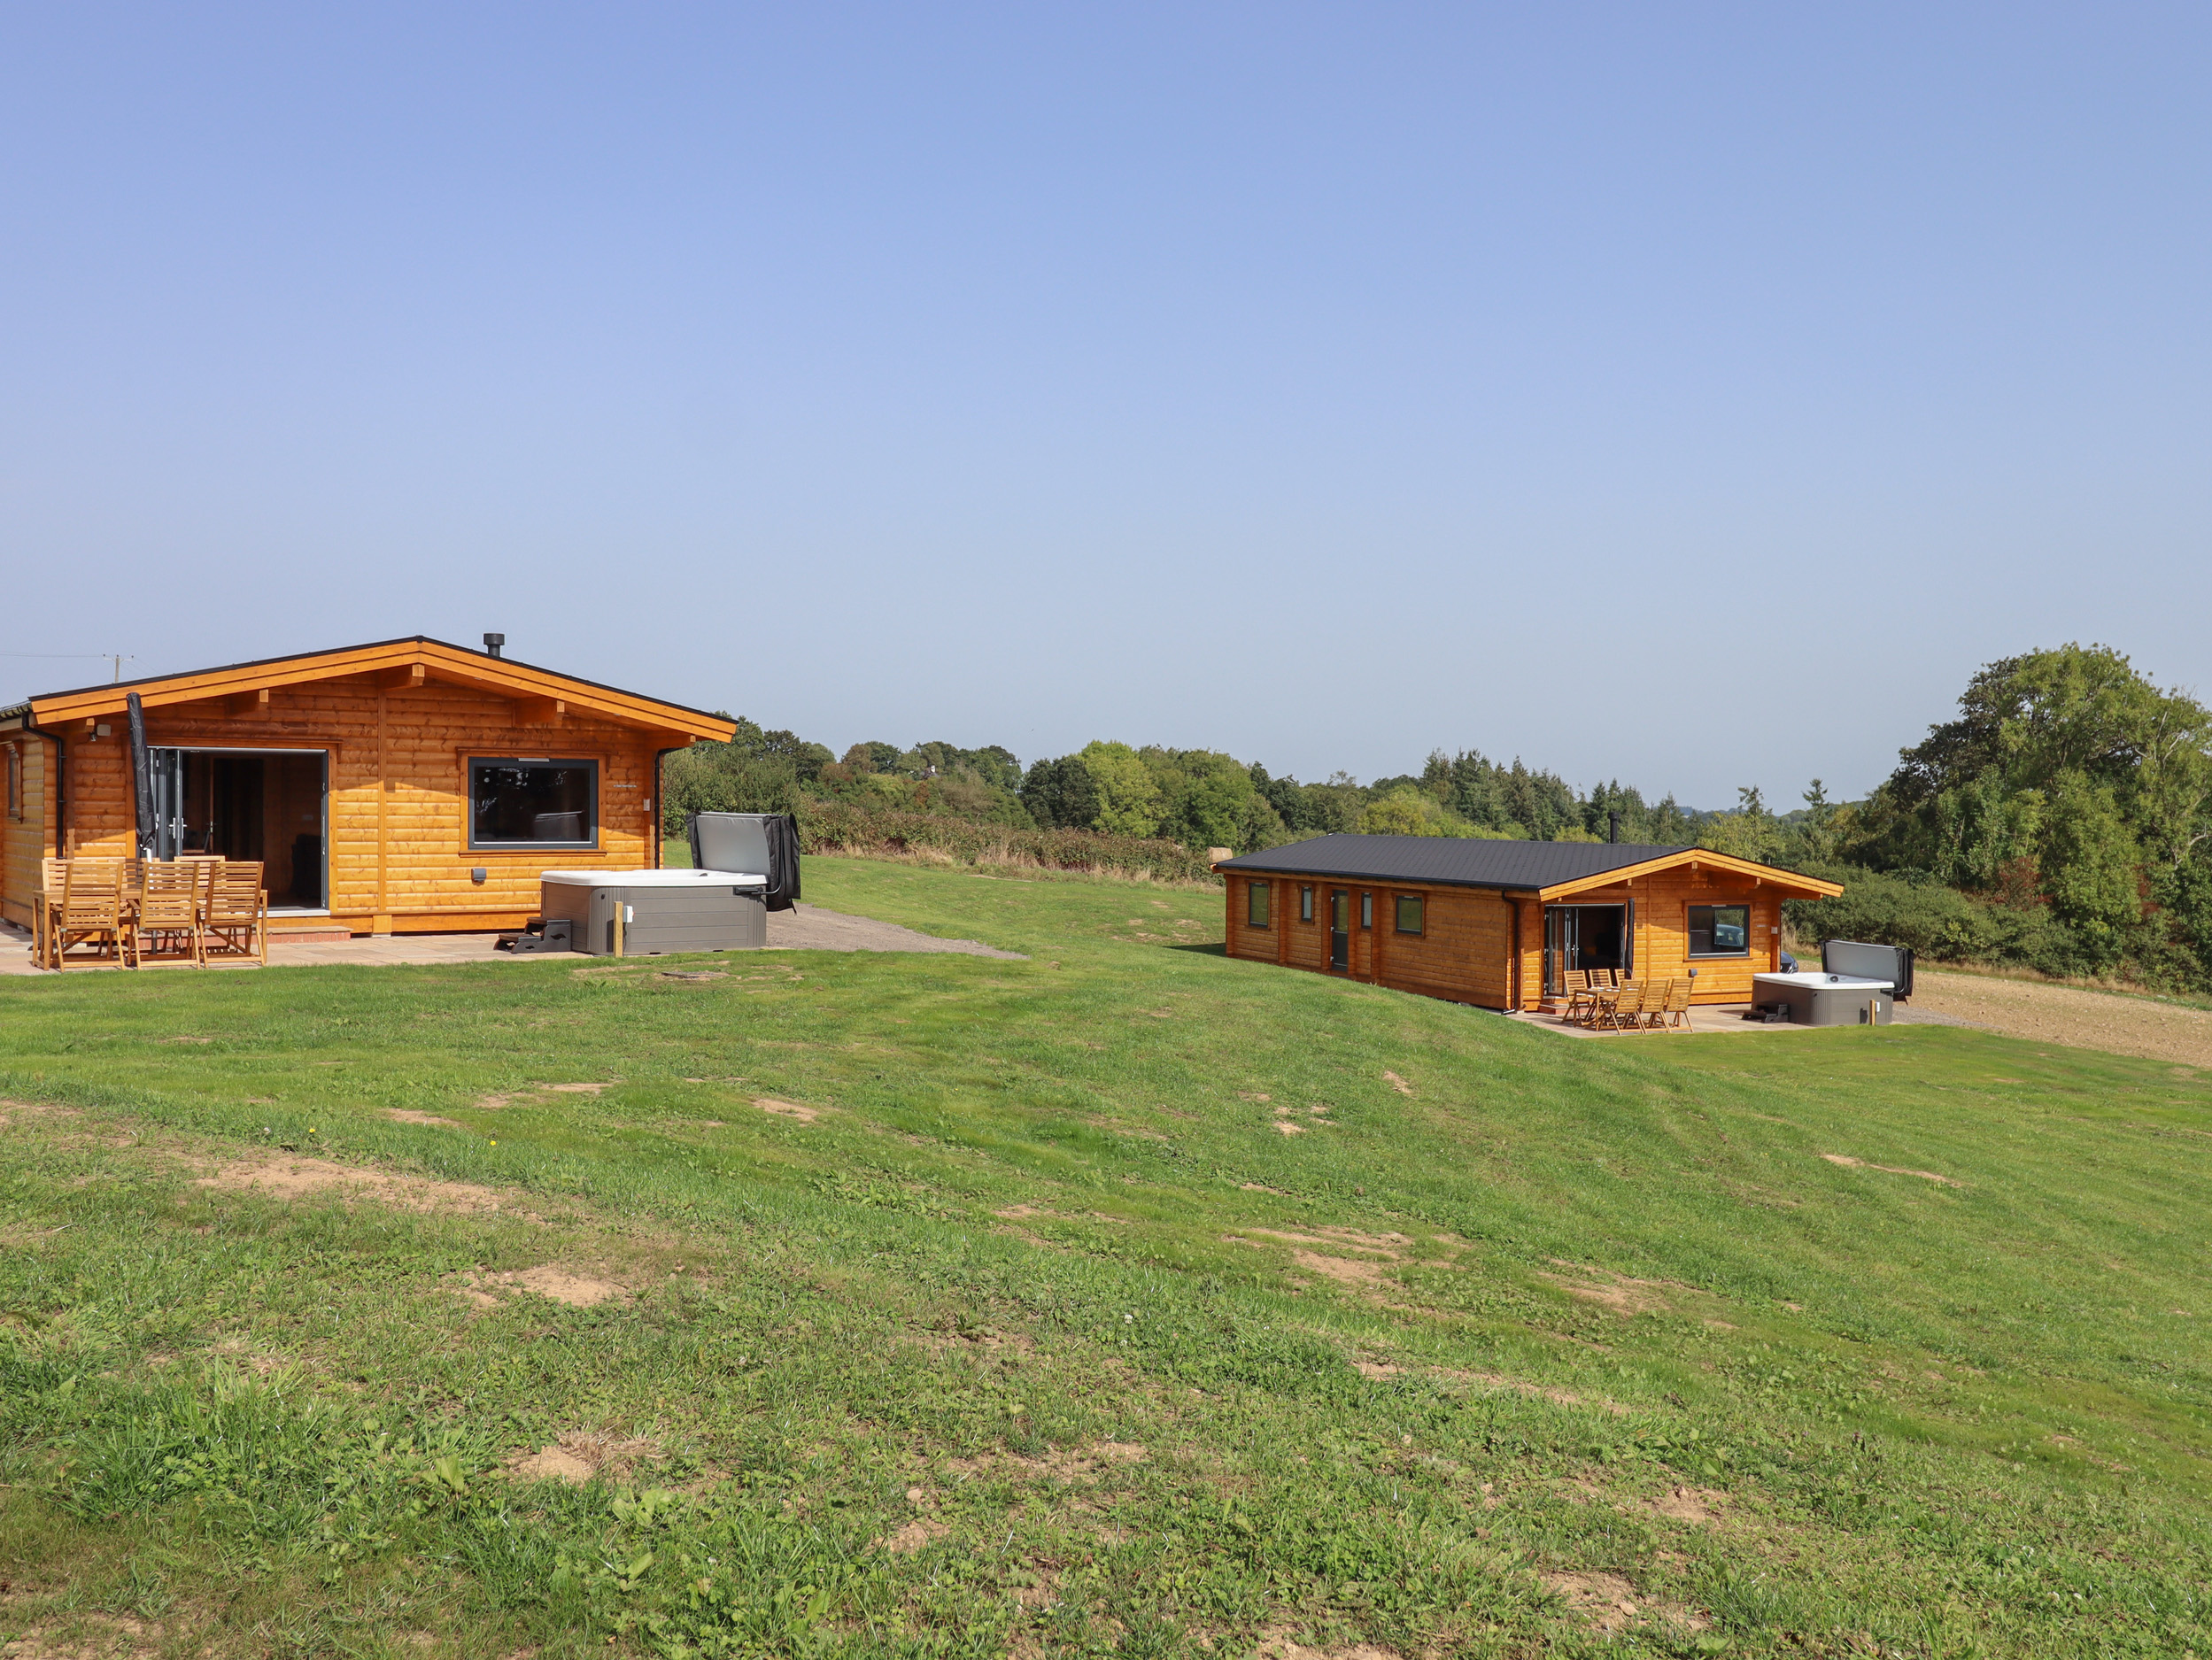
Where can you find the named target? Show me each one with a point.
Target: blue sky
(1690, 395)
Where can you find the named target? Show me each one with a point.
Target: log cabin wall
(1662, 901)
(27, 829)
(399, 859)
(1462, 953)
(1465, 952)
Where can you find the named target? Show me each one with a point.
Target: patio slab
(803, 928)
(1707, 1019)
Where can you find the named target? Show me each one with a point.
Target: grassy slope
(1578, 1286)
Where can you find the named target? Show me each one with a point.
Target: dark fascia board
(367, 645)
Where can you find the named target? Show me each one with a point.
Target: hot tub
(646, 913)
(1815, 999)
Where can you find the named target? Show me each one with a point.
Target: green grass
(1539, 1307)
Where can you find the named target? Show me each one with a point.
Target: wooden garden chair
(171, 901)
(1677, 1010)
(1597, 1014)
(237, 911)
(91, 910)
(1575, 983)
(45, 906)
(1627, 1005)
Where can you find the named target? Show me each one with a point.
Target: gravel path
(810, 928)
(2110, 1020)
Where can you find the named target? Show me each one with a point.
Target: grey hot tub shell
(1825, 1000)
(659, 911)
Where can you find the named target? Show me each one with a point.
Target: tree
(1060, 794)
(1129, 799)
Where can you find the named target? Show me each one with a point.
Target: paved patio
(803, 928)
(1708, 1018)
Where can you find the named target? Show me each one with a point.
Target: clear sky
(1693, 395)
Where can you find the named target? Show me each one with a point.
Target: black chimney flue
(492, 642)
(1612, 827)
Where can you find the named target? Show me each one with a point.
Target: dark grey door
(1340, 929)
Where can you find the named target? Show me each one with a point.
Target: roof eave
(1769, 876)
(499, 675)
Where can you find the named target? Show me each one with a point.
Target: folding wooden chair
(237, 910)
(170, 904)
(1677, 1011)
(91, 910)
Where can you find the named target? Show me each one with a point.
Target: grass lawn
(1125, 1299)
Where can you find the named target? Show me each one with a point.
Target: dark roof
(1448, 862)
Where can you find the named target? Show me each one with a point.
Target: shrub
(844, 827)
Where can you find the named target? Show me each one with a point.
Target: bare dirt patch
(1064, 1464)
(577, 1455)
(1610, 1603)
(1699, 1506)
(407, 1116)
(537, 1092)
(1849, 1163)
(1397, 1083)
(923, 1531)
(788, 1109)
(2114, 1022)
(1280, 1645)
(562, 1284)
(82, 1636)
(283, 1175)
(1617, 1293)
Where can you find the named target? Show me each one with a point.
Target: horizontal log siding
(1462, 953)
(1244, 939)
(1467, 953)
(422, 882)
(25, 841)
(1662, 931)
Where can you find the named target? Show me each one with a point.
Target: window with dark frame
(1409, 909)
(1366, 910)
(532, 801)
(1256, 904)
(1720, 931)
(1305, 905)
(15, 781)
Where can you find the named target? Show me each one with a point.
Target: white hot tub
(647, 913)
(1818, 999)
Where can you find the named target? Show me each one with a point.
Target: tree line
(2062, 820)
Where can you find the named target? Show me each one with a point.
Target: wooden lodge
(1498, 923)
(409, 786)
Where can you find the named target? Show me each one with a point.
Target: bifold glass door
(1585, 936)
(269, 806)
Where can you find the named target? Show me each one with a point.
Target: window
(1305, 905)
(529, 801)
(1366, 910)
(1256, 904)
(1720, 931)
(1408, 913)
(15, 781)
